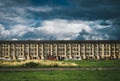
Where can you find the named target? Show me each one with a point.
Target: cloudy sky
(60, 19)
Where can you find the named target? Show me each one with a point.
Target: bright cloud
(56, 29)
(3, 33)
(63, 29)
(40, 9)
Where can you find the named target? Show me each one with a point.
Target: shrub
(31, 64)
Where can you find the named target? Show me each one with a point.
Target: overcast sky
(60, 19)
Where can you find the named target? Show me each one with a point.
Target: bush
(31, 64)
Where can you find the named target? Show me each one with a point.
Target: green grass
(96, 63)
(61, 76)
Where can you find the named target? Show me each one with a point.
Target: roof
(56, 41)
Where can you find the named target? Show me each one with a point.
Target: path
(60, 69)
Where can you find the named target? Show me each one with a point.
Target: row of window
(59, 45)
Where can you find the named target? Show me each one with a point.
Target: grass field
(65, 63)
(61, 76)
(66, 75)
(96, 63)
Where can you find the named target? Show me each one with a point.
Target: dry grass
(37, 63)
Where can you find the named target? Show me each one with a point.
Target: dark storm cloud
(71, 9)
(77, 9)
(101, 17)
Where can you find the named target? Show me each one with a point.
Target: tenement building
(65, 49)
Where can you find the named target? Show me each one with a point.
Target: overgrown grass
(61, 76)
(36, 64)
(68, 63)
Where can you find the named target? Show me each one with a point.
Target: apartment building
(65, 49)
